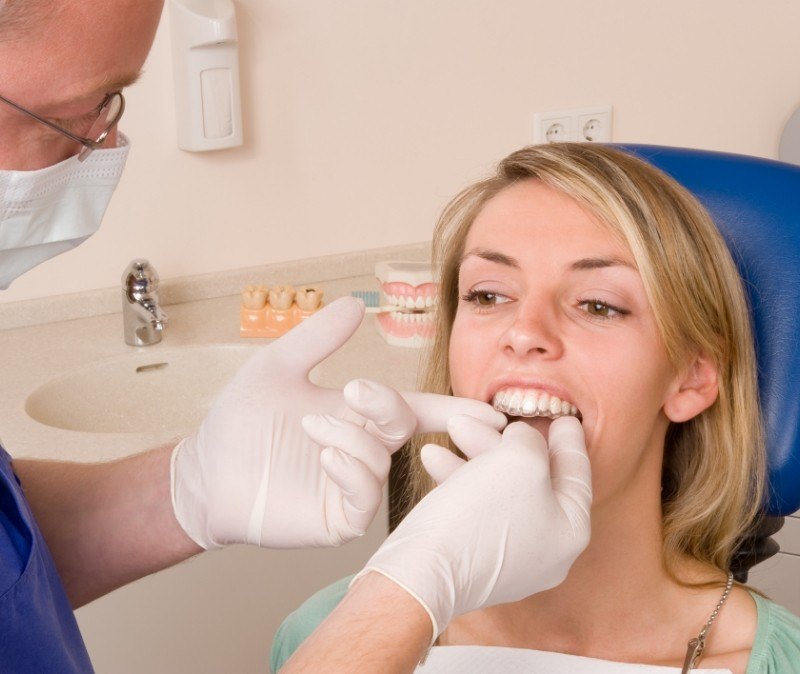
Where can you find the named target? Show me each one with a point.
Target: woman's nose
(534, 330)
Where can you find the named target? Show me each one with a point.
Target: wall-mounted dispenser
(205, 60)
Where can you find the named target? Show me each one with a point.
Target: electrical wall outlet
(585, 125)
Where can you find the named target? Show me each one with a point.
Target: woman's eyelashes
(599, 310)
(595, 309)
(484, 299)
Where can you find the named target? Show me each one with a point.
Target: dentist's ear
(695, 389)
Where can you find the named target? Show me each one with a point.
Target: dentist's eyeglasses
(108, 114)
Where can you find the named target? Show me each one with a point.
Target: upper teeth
(409, 302)
(517, 402)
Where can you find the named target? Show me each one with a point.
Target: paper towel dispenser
(205, 58)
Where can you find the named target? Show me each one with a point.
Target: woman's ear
(695, 389)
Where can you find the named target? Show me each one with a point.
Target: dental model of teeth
(409, 300)
(518, 402)
(270, 313)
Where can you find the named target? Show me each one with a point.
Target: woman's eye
(600, 309)
(484, 298)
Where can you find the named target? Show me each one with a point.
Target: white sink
(169, 390)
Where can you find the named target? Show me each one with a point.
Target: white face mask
(52, 210)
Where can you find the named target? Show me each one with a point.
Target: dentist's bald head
(17, 16)
(59, 58)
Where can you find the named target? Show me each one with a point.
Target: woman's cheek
(461, 374)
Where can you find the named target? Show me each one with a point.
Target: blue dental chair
(756, 204)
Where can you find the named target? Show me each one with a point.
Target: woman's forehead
(529, 218)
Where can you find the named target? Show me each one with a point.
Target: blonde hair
(714, 464)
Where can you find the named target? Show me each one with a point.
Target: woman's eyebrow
(491, 256)
(588, 263)
(584, 264)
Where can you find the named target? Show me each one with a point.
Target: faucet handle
(142, 315)
(140, 280)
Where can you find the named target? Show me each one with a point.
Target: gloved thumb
(570, 470)
(305, 346)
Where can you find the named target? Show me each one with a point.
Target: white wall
(363, 116)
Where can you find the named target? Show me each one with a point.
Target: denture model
(270, 313)
(410, 298)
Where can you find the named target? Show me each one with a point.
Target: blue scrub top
(38, 630)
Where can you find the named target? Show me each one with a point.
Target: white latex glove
(506, 524)
(251, 474)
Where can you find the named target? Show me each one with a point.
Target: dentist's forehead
(75, 49)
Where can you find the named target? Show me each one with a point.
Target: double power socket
(585, 125)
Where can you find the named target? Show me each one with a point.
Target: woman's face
(553, 316)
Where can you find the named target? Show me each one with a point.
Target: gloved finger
(570, 469)
(361, 491)
(317, 337)
(440, 462)
(433, 411)
(330, 431)
(472, 436)
(388, 416)
(519, 434)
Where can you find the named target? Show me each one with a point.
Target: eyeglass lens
(109, 114)
(107, 117)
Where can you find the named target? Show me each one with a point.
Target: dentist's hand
(256, 471)
(506, 524)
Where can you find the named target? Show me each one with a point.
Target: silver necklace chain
(695, 647)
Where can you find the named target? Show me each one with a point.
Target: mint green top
(776, 649)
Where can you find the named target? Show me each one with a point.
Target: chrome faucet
(142, 315)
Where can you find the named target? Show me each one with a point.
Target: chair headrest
(756, 205)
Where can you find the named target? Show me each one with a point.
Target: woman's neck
(617, 602)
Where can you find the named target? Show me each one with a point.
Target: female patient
(581, 281)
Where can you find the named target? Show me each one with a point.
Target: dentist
(255, 471)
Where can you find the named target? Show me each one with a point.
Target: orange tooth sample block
(272, 313)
